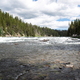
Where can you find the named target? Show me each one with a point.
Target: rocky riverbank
(32, 61)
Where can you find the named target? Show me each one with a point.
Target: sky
(54, 14)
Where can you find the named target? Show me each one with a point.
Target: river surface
(50, 40)
(41, 57)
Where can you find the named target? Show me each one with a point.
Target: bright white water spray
(48, 40)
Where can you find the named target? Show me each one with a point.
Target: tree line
(12, 26)
(74, 28)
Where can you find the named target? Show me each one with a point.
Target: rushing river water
(56, 43)
(42, 55)
(49, 40)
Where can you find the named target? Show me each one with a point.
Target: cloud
(43, 12)
(28, 14)
(73, 18)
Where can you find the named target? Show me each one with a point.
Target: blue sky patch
(62, 28)
(56, 1)
(63, 19)
(78, 5)
(34, 0)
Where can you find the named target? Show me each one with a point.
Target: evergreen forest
(16, 27)
(74, 28)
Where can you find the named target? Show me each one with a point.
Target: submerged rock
(44, 40)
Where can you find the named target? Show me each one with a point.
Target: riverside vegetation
(10, 26)
(16, 27)
(74, 28)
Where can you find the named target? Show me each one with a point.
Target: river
(46, 58)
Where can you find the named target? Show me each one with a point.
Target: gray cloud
(57, 13)
(15, 6)
(42, 12)
(28, 15)
(11, 5)
(52, 1)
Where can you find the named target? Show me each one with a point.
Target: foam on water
(51, 40)
(14, 39)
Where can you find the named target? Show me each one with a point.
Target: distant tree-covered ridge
(74, 28)
(16, 27)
